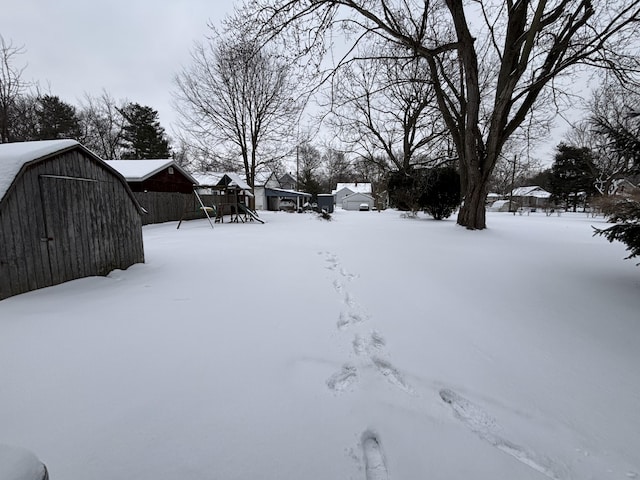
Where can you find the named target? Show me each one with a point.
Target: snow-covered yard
(368, 347)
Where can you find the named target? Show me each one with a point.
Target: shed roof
(207, 179)
(140, 170)
(13, 156)
(215, 179)
(236, 181)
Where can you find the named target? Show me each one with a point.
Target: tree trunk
(472, 213)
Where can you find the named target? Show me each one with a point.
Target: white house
(344, 189)
(356, 201)
(264, 181)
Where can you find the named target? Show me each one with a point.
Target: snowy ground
(371, 347)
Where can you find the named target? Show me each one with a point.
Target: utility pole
(513, 181)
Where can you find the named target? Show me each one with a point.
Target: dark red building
(154, 175)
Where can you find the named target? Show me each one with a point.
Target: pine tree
(625, 213)
(143, 135)
(573, 174)
(56, 119)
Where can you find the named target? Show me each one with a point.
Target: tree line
(409, 86)
(111, 129)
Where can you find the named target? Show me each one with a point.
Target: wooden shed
(64, 214)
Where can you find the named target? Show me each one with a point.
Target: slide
(249, 212)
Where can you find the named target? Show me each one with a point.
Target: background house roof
(140, 170)
(356, 196)
(531, 191)
(358, 187)
(261, 178)
(13, 156)
(283, 192)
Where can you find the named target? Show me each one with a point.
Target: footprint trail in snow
(369, 348)
(375, 465)
(485, 426)
(342, 379)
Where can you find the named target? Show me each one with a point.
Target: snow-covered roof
(531, 191)
(357, 195)
(284, 192)
(140, 170)
(261, 178)
(19, 464)
(357, 187)
(236, 181)
(208, 179)
(215, 178)
(499, 205)
(13, 156)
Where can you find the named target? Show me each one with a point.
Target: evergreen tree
(143, 135)
(309, 164)
(56, 119)
(625, 212)
(543, 179)
(573, 175)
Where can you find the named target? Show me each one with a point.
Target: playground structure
(229, 196)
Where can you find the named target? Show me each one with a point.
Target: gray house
(64, 214)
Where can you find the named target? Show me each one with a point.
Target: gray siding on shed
(65, 217)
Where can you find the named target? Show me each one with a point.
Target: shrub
(442, 193)
(405, 189)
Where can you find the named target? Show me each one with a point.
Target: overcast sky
(130, 48)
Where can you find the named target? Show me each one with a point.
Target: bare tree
(510, 56)
(512, 171)
(384, 108)
(239, 98)
(337, 168)
(11, 85)
(103, 125)
(615, 135)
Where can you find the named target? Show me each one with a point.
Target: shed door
(72, 228)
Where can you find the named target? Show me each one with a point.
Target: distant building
(344, 189)
(288, 182)
(154, 175)
(263, 181)
(531, 197)
(357, 201)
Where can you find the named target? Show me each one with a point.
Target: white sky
(131, 48)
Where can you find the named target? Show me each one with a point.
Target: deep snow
(368, 347)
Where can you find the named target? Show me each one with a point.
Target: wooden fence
(170, 206)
